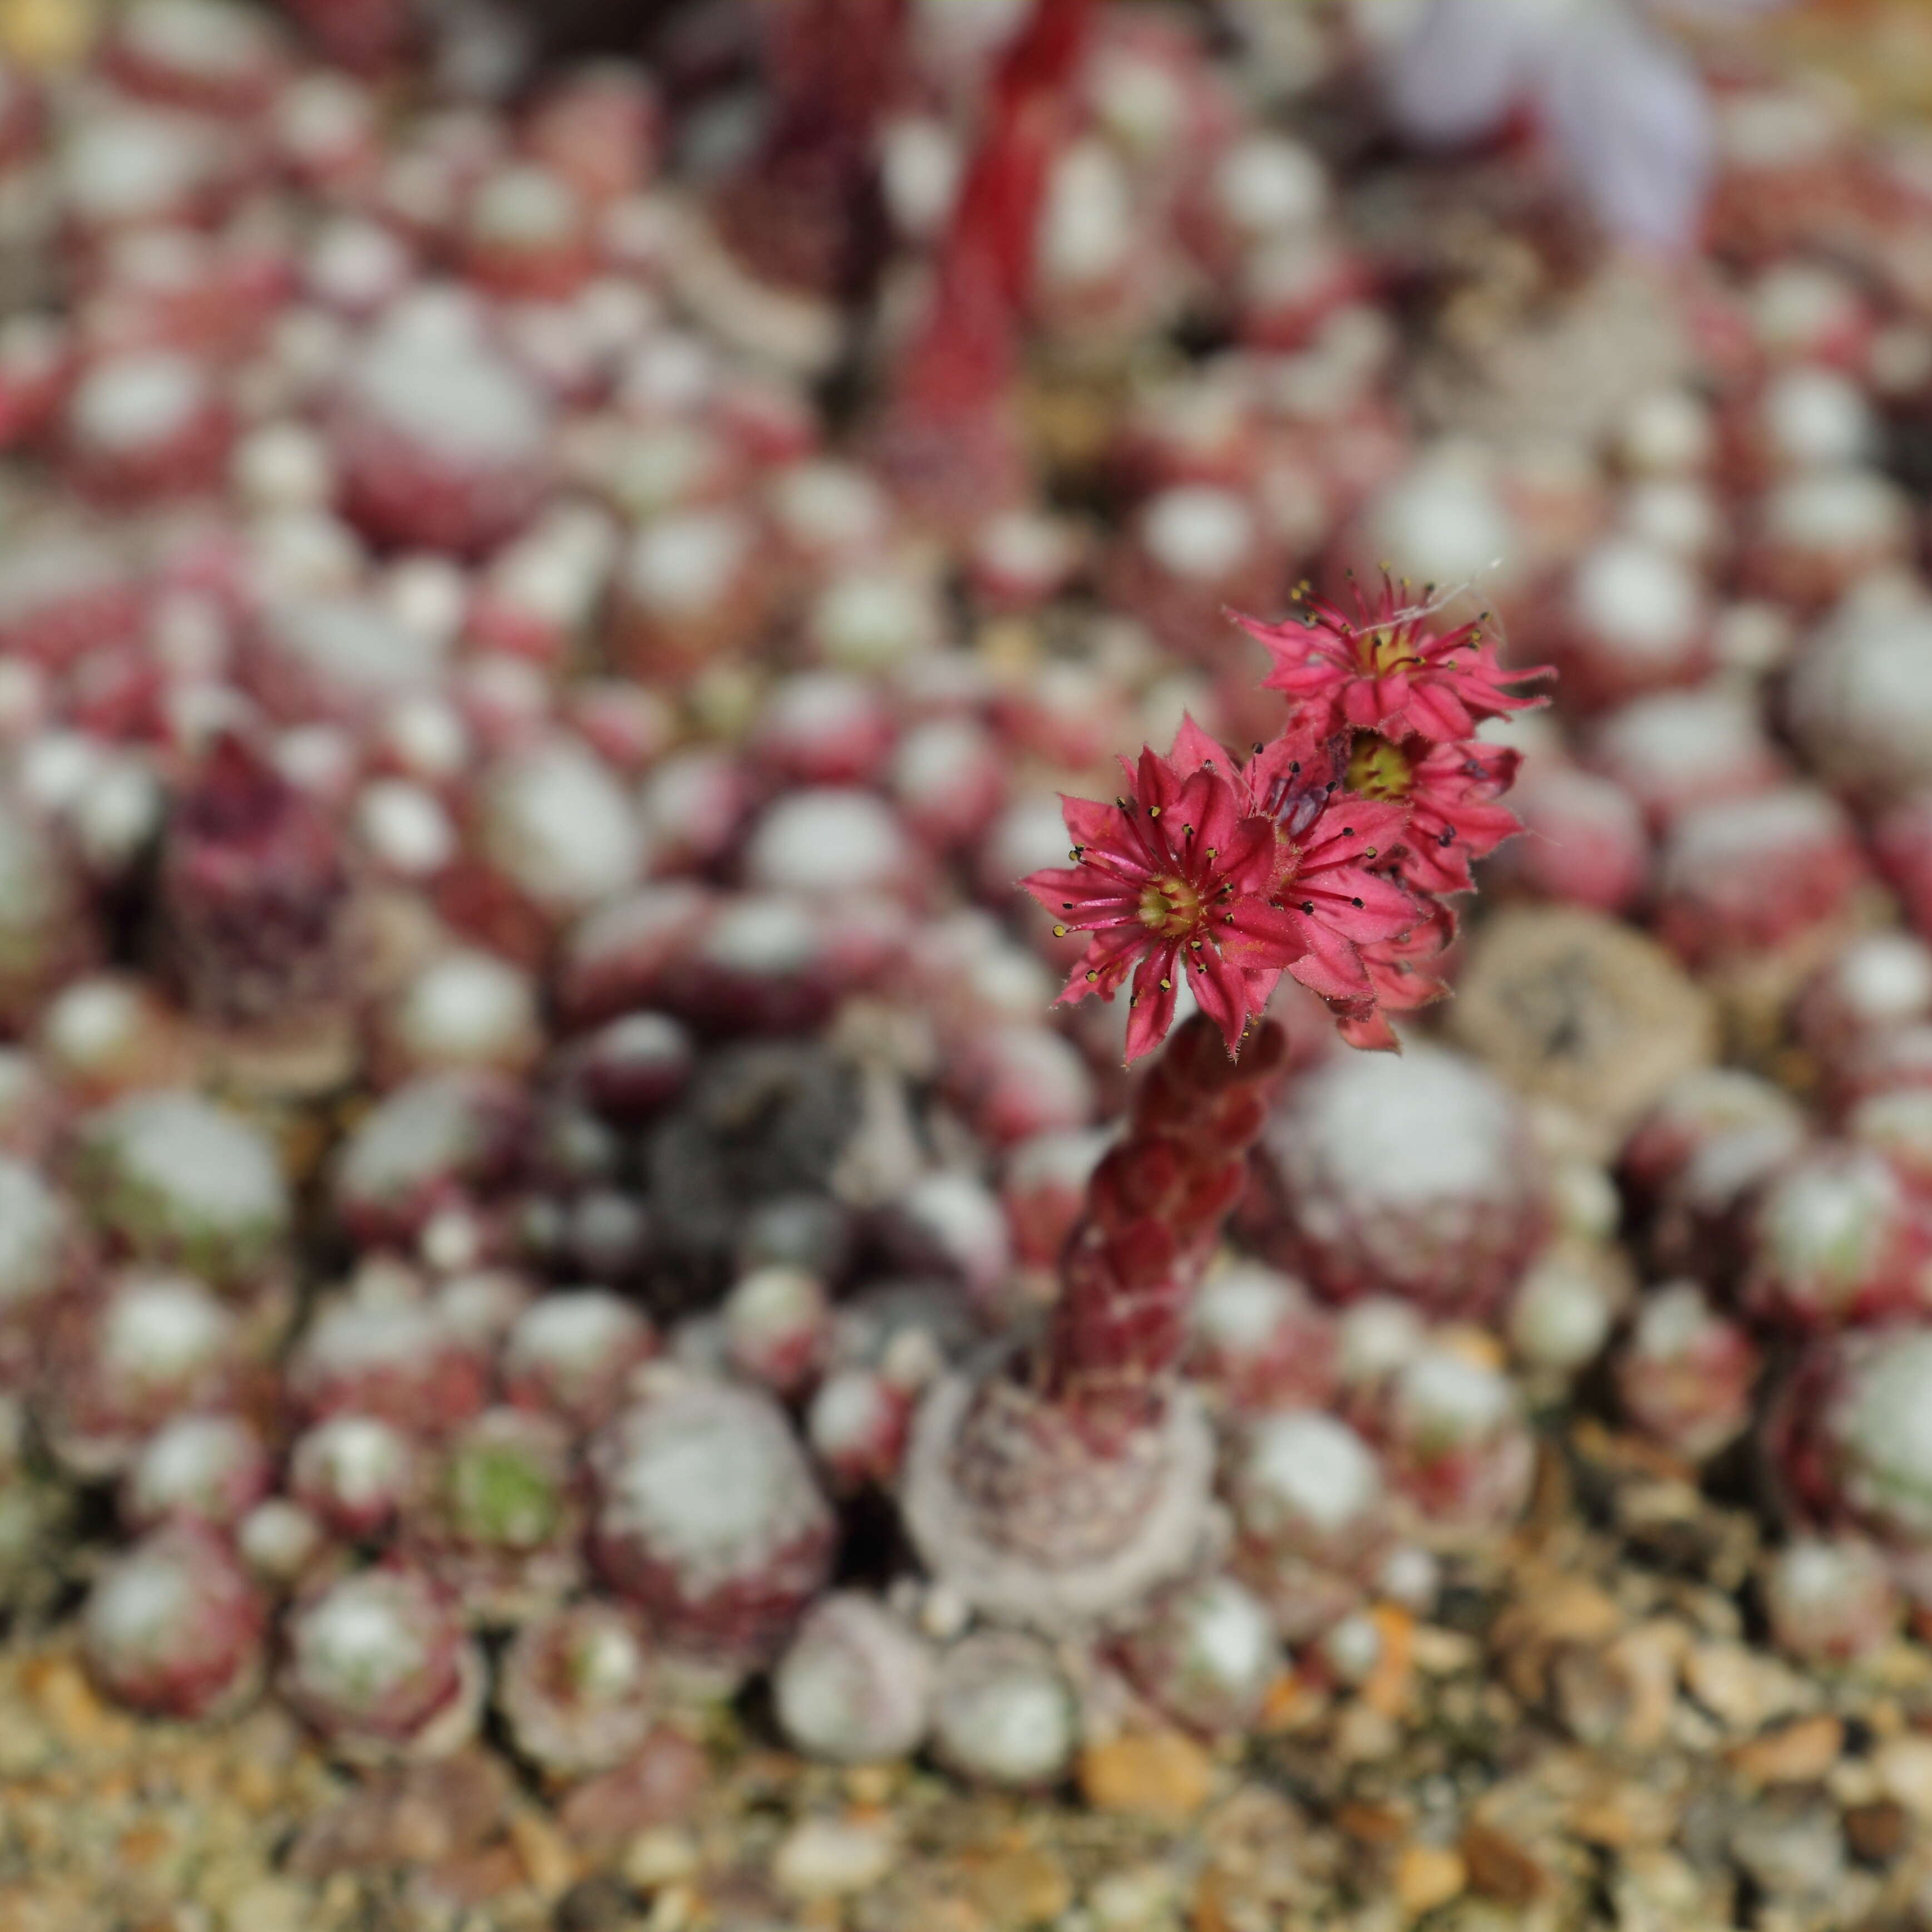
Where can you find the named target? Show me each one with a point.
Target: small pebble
(660, 1856)
(831, 1858)
(1903, 1767)
(598, 1904)
(1500, 1867)
(1740, 1688)
(1877, 1833)
(548, 1862)
(1427, 1875)
(1132, 1900)
(1027, 1885)
(270, 1905)
(1790, 1848)
(1798, 1753)
(1148, 1773)
(1653, 1887)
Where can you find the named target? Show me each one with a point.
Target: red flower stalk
(1064, 1485)
(1385, 668)
(1155, 1206)
(948, 434)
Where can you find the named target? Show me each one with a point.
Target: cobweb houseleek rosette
(1058, 1483)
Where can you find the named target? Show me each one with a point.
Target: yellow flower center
(1377, 769)
(1383, 651)
(1170, 906)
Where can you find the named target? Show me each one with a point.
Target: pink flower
(1451, 791)
(1323, 903)
(1385, 669)
(1172, 872)
(1237, 873)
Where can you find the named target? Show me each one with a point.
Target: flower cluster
(1327, 855)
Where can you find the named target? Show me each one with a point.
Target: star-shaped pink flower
(1325, 899)
(1450, 791)
(1169, 880)
(1386, 669)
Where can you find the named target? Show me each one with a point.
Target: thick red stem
(948, 428)
(1155, 1209)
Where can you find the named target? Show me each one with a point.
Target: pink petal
(1222, 995)
(1363, 906)
(1089, 823)
(1350, 827)
(1258, 936)
(1152, 1013)
(1331, 966)
(1193, 748)
(1081, 898)
(1246, 859)
(1369, 1031)
(1435, 712)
